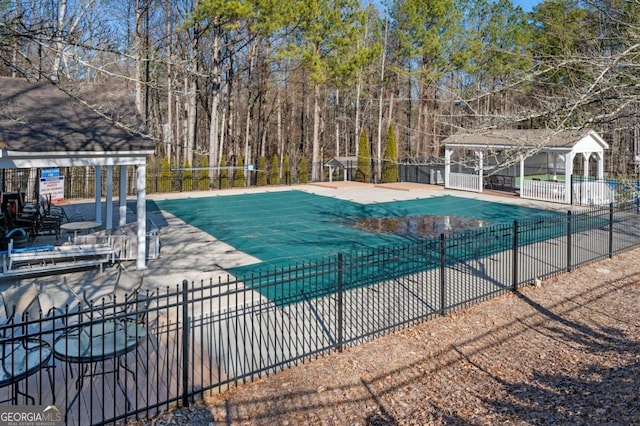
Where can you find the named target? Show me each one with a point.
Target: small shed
(523, 147)
(45, 125)
(344, 163)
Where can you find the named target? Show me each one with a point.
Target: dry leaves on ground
(567, 352)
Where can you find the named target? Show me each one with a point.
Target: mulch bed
(567, 352)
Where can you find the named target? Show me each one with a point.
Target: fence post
(185, 343)
(515, 256)
(340, 294)
(610, 230)
(569, 241)
(443, 267)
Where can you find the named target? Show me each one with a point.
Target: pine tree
(224, 174)
(238, 173)
(286, 170)
(274, 179)
(390, 172)
(262, 171)
(363, 173)
(187, 177)
(303, 171)
(165, 176)
(203, 180)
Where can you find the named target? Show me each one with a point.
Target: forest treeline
(218, 81)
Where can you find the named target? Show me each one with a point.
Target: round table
(84, 225)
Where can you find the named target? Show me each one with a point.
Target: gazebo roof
(346, 162)
(38, 117)
(565, 139)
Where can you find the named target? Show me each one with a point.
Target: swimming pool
(281, 228)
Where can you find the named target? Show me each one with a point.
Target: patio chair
(20, 310)
(23, 349)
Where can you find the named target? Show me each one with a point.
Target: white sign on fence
(52, 186)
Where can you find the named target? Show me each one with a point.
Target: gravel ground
(567, 352)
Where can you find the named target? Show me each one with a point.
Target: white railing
(592, 193)
(465, 182)
(543, 190)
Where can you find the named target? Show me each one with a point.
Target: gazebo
(344, 163)
(43, 126)
(513, 151)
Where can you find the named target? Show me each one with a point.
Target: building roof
(346, 162)
(524, 138)
(43, 117)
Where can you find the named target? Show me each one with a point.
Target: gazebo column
(480, 156)
(447, 166)
(109, 197)
(98, 204)
(600, 156)
(568, 169)
(122, 205)
(521, 173)
(141, 195)
(585, 162)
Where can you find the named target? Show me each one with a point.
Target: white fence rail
(592, 193)
(465, 182)
(554, 192)
(586, 193)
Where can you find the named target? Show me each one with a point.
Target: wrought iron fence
(111, 359)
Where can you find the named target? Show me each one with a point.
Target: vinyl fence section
(176, 344)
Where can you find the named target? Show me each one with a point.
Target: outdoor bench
(39, 260)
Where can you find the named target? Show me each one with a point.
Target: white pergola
(43, 125)
(27, 160)
(562, 146)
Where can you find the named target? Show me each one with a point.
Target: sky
(527, 5)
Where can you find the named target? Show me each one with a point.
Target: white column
(480, 156)
(585, 162)
(447, 167)
(109, 197)
(521, 173)
(141, 195)
(600, 165)
(122, 207)
(568, 171)
(98, 194)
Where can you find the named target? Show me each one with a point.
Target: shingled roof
(520, 138)
(41, 117)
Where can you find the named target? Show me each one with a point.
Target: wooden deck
(105, 392)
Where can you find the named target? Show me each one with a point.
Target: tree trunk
(315, 167)
(214, 126)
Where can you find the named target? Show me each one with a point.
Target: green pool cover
(281, 228)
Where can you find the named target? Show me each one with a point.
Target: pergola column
(141, 195)
(98, 193)
(122, 203)
(109, 197)
(447, 166)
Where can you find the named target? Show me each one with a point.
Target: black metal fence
(115, 359)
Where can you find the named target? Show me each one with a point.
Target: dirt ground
(567, 352)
